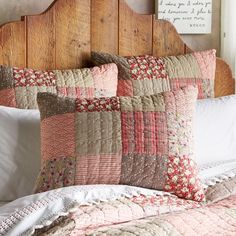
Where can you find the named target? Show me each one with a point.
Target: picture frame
(188, 17)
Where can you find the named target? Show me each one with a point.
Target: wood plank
(60, 38)
(104, 23)
(224, 82)
(41, 41)
(72, 33)
(1, 47)
(13, 44)
(135, 31)
(166, 40)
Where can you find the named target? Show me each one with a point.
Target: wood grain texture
(135, 32)
(72, 33)
(224, 82)
(104, 26)
(65, 34)
(41, 41)
(166, 40)
(14, 44)
(1, 47)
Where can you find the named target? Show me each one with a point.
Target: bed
(63, 37)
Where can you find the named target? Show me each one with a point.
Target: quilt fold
(121, 210)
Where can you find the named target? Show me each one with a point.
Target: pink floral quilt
(121, 210)
(148, 216)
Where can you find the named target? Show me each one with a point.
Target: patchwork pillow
(147, 75)
(141, 141)
(19, 86)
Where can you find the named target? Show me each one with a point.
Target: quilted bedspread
(142, 216)
(215, 219)
(153, 215)
(123, 210)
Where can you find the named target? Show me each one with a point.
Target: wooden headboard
(65, 34)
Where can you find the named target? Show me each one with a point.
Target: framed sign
(188, 16)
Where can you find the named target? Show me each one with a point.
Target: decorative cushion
(147, 75)
(141, 141)
(19, 87)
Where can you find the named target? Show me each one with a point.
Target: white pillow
(19, 152)
(215, 130)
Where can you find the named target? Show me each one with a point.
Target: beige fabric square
(160, 85)
(183, 66)
(153, 103)
(142, 87)
(143, 104)
(74, 78)
(26, 97)
(131, 103)
(102, 134)
(150, 86)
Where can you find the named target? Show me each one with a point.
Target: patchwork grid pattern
(147, 75)
(19, 86)
(121, 140)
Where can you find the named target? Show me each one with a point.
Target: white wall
(228, 33)
(11, 10)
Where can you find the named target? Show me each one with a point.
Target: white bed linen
(19, 152)
(26, 214)
(3, 203)
(215, 130)
(215, 172)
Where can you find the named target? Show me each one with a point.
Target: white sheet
(19, 152)
(24, 215)
(216, 172)
(215, 130)
(3, 203)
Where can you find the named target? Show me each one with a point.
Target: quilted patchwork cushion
(141, 141)
(147, 75)
(19, 87)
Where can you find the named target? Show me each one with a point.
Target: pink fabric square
(144, 132)
(85, 92)
(7, 97)
(76, 92)
(206, 62)
(179, 83)
(66, 91)
(139, 132)
(105, 77)
(125, 88)
(150, 136)
(161, 133)
(58, 136)
(98, 169)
